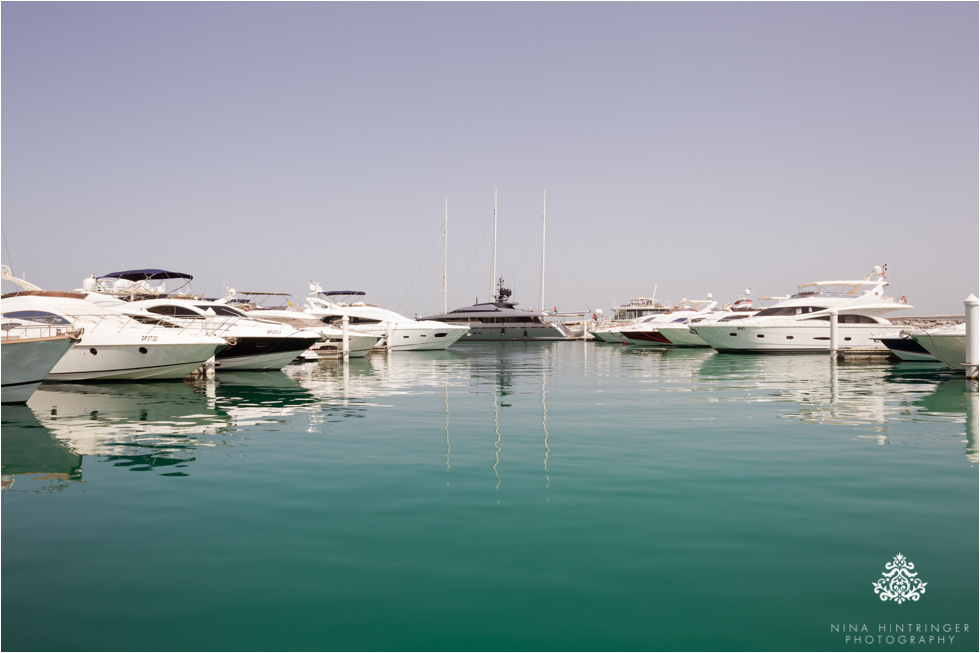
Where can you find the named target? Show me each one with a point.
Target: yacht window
(222, 310)
(145, 319)
(855, 319)
(41, 317)
(789, 310)
(824, 318)
(441, 335)
(729, 318)
(174, 311)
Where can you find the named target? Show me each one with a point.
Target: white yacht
(331, 343)
(647, 332)
(502, 320)
(801, 323)
(626, 316)
(396, 332)
(681, 334)
(113, 345)
(28, 358)
(255, 344)
(947, 344)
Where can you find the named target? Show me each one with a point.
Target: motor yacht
(113, 346)
(28, 358)
(502, 320)
(256, 344)
(801, 323)
(681, 334)
(904, 347)
(947, 344)
(396, 332)
(276, 306)
(647, 332)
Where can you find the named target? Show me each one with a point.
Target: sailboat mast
(445, 260)
(493, 268)
(544, 224)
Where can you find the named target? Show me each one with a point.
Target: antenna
(544, 219)
(493, 268)
(445, 260)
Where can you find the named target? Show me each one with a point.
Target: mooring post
(345, 322)
(833, 334)
(972, 308)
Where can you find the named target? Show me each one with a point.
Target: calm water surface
(507, 496)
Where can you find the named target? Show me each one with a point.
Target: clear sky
(691, 147)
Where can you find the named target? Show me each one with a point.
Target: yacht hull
(491, 332)
(950, 348)
(126, 362)
(407, 337)
(792, 339)
(26, 363)
(907, 349)
(261, 353)
(683, 337)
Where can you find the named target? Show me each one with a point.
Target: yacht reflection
(824, 391)
(955, 399)
(859, 394)
(137, 425)
(30, 451)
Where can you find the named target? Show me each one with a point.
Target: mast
(544, 223)
(493, 268)
(445, 260)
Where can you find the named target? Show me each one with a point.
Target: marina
(495, 495)
(695, 366)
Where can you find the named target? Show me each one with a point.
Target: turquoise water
(497, 496)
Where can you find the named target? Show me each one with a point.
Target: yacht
(904, 347)
(113, 346)
(396, 332)
(681, 334)
(331, 343)
(647, 332)
(276, 306)
(627, 316)
(28, 358)
(502, 320)
(255, 344)
(947, 344)
(801, 323)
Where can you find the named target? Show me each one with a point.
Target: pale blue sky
(696, 147)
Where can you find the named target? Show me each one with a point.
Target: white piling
(345, 324)
(833, 334)
(972, 307)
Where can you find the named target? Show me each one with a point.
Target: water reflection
(856, 393)
(501, 390)
(30, 451)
